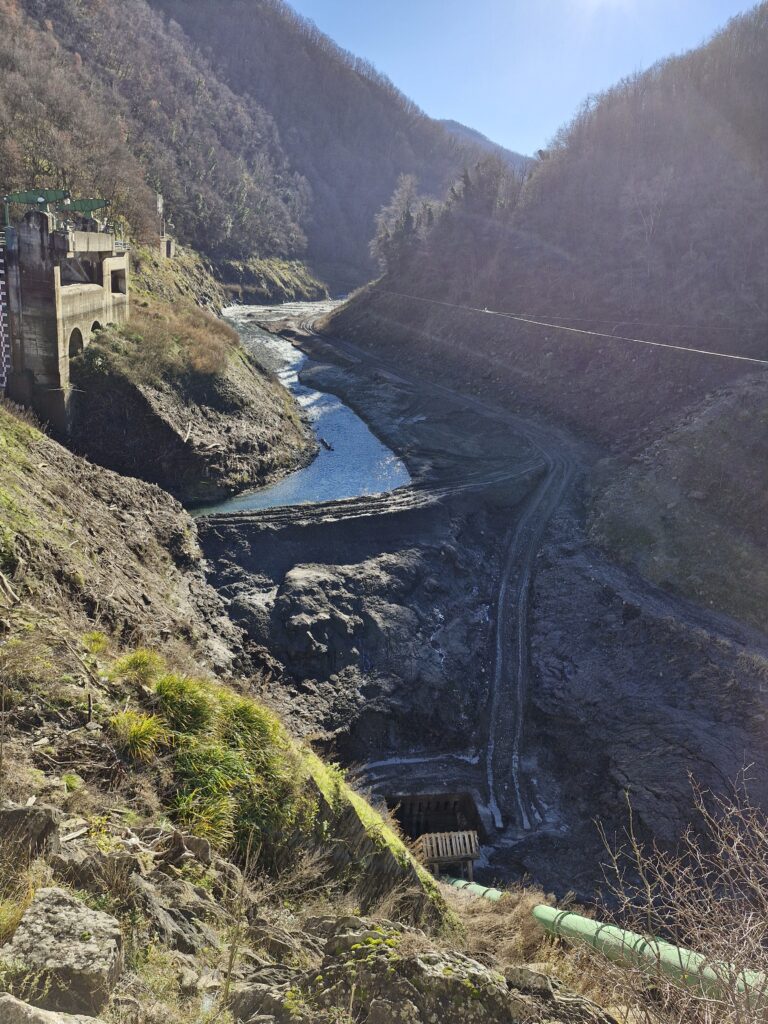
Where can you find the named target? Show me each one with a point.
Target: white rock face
(13, 1011)
(65, 956)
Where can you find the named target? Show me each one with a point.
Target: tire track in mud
(504, 719)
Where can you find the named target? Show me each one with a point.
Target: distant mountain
(472, 137)
(266, 138)
(347, 130)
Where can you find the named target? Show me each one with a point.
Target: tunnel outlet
(418, 814)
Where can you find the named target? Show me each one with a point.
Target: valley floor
(464, 635)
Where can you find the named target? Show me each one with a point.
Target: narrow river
(351, 460)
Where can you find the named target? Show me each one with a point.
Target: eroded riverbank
(350, 459)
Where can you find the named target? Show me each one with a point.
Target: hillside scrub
(167, 342)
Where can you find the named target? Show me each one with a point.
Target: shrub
(138, 735)
(186, 704)
(140, 666)
(710, 895)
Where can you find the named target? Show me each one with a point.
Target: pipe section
(654, 956)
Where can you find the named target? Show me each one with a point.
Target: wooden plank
(447, 847)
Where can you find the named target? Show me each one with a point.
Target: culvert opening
(420, 814)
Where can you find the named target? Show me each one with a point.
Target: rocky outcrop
(395, 975)
(31, 831)
(64, 956)
(14, 1011)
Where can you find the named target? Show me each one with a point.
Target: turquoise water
(358, 463)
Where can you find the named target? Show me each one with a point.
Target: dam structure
(65, 276)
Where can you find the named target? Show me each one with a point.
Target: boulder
(31, 831)
(64, 956)
(13, 1011)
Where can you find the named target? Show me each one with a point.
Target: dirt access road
(508, 800)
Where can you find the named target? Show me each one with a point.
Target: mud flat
(384, 625)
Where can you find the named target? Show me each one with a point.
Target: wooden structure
(435, 849)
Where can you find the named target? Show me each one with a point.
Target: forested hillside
(346, 128)
(471, 137)
(646, 217)
(102, 97)
(258, 130)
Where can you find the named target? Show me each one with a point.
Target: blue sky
(514, 69)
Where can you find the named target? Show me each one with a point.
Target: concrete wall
(49, 321)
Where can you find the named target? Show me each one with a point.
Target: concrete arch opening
(95, 326)
(75, 342)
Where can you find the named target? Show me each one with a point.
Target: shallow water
(357, 462)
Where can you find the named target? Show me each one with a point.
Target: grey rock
(14, 1011)
(31, 830)
(94, 870)
(228, 878)
(200, 847)
(177, 910)
(128, 1008)
(65, 956)
(251, 1001)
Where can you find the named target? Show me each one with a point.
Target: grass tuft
(246, 725)
(186, 704)
(138, 735)
(140, 666)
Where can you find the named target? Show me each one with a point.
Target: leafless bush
(709, 895)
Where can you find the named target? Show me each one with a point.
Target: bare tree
(709, 895)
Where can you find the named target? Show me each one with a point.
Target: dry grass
(166, 341)
(506, 934)
(18, 881)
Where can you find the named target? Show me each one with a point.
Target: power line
(580, 330)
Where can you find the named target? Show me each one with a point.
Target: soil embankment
(679, 495)
(201, 437)
(174, 398)
(89, 546)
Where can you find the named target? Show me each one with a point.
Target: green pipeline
(654, 956)
(472, 888)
